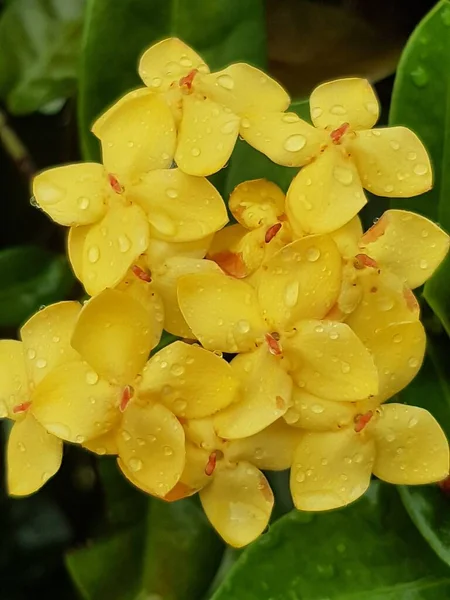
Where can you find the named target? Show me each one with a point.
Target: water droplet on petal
(91, 377)
(21, 446)
(290, 118)
(168, 451)
(291, 294)
(245, 123)
(172, 193)
(345, 367)
(397, 338)
(125, 435)
(156, 82)
(294, 143)
(420, 169)
(423, 264)
(31, 354)
(124, 243)
(372, 108)
(177, 370)
(411, 156)
(343, 175)
(226, 82)
(83, 203)
(243, 326)
(313, 254)
(93, 254)
(228, 127)
(195, 152)
(300, 477)
(41, 363)
(413, 362)
(135, 464)
(317, 409)
(316, 112)
(394, 145)
(334, 335)
(318, 329)
(389, 188)
(338, 109)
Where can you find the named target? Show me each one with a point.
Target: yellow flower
(235, 494)
(342, 155)
(211, 108)
(33, 455)
(399, 444)
(261, 229)
(116, 209)
(279, 322)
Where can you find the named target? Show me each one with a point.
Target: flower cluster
(316, 317)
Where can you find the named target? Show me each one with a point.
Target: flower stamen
(211, 464)
(363, 260)
(361, 420)
(20, 408)
(141, 274)
(272, 340)
(114, 183)
(272, 232)
(186, 82)
(337, 134)
(127, 394)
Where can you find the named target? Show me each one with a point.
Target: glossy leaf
(39, 48)
(29, 278)
(117, 33)
(368, 551)
(429, 506)
(421, 101)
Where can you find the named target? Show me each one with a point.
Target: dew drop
(125, 435)
(195, 151)
(56, 339)
(317, 409)
(343, 175)
(300, 477)
(226, 82)
(358, 458)
(394, 145)
(419, 77)
(318, 329)
(168, 451)
(177, 370)
(124, 243)
(156, 82)
(372, 108)
(423, 264)
(291, 294)
(135, 464)
(290, 118)
(338, 109)
(420, 169)
(93, 254)
(316, 112)
(397, 338)
(345, 367)
(294, 143)
(243, 326)
(313, 254)
(91, 377)
(31, 354)
(411, 156)
(228, 127)
(21, 446)
(172, 193)
(245, 123)
(334, 335)
(413, 362)
(41, 363)
(101, 450)
(83, 203)
(389, 188)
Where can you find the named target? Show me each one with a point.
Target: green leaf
(421, 101)
(246, 163)
(39, 49)
(29, 278)
(165, 551)
(428, 506)
(117, 33)
(368, 551)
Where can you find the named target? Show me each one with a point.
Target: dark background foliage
(88, 532)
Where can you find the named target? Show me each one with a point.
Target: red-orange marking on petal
(20, 408)
(362, 420)
(141, 274)
(186, 82)
(231, 262)
(211, 464)
(337, 134)
(411, 300)
(363, 260)
(127, 394)
(272, 232)
(181, 490)
(273, 343)
(114, 183)
(281, 404)
(377, 230)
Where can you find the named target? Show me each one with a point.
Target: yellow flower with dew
(33, 454)
(210, 108)
(261, 228)
(340, 154)
(277, 328)
(235, 494)
(333, 464)
(115, 209)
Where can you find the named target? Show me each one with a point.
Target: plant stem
(16, 149)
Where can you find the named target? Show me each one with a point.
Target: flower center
(272, 232)
(212, 461)
(20, 408)
(361, 420)
(186, 82)
(363, 260)
(337, 134)
(141, 274)
(114, 183)
(127, 394)
(273, 341)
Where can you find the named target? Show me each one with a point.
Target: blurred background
(44, 105)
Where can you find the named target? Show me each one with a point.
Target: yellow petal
(165, 280)
(238, 503)
(392, 162)
(222, 312)
(73, 194)
(112, 245)
(137, 134)
(206, 137)
(46, 338)
(13, 378)
(271, 449)
(283, 137)
(33, 456)
(180, 207)
(398, 352)
(316, 414)
(348, 237)
(201, 432)
(301, 281)
(330, 361)
(255, 203)
(351, 101)
(325, 195)
(167, 62)
(194, 476)
(331, 469)
(74, 404)
(408, 244)
(151, 448)
(243, 89)
(75, 244)
(113, 334)
(265, 395)
(411, 447)
(159, 250)
(385, 301)
(192, 382)
(145, 293)
(103, 444)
